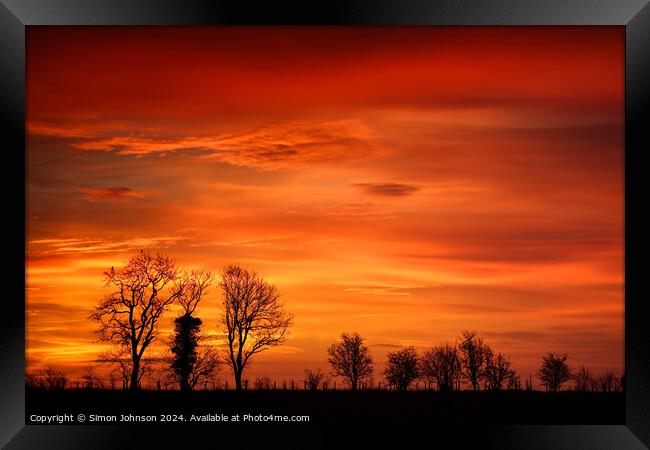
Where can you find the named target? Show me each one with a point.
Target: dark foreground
(488, 408)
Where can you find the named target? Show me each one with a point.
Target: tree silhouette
(402, 368)
(554, 371)
(129, 316)
(529, 383)
(121, 365)
(263, 383)
(350, 359)
(34, 380)
(187, 331)
(91, 380)
(584, 380)
(254, 317)
(441, 364)
(607, 382)
(206, 366)
(54, 379)
(187, 328)
(472, 353)
(313, 378)
(498, 371)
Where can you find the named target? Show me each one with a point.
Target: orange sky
(405, 183)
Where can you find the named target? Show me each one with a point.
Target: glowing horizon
(404, 183)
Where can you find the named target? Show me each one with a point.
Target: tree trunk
(185, 385)
(238, 385)
(135, 371)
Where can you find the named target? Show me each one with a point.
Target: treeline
(468, 363)
(253, 320)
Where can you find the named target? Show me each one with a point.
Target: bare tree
(206, 366)
(91, 380)
(618, 387)
(529, 383)
(513, 382)
(554, 371)
(313, 378)
(187, 328)
(129, 316)
(54, 379)
(441, 364)
(263, 383)
(583, 379)
(472, 351)
(607, 382)
(255, 318)
(350, 359)
(34, 380)
(112, 379)
(402, 368)
(192, 288)
(121, 364)
(498, 372)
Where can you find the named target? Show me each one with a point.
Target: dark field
(372, 406)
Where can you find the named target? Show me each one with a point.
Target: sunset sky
(405, 183)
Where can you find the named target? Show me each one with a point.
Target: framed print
(228, 221)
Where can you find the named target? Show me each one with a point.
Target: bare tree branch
(350, 359)
(143, 290)
(254, 317)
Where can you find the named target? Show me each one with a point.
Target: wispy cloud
(379, 289)
(113, 194)
(388, 189)
(340, 211)
(385, 345)
(83, 246)
(269, 147)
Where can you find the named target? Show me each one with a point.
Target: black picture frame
(634, 15)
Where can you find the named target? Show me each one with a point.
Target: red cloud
(388, 189)
(269, 147)
(115, 194)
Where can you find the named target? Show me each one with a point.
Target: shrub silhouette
(313, 378)
(263, 383)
